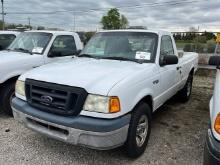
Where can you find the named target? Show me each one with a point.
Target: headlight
(102, 104)
(20, 88)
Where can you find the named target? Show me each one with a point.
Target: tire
(134, 146)
(7, 93)
(185, 93)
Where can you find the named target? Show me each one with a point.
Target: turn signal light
(114, 105)
(217, 124)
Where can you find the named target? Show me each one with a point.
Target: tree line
(191, 36)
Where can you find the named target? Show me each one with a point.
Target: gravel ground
(177, 137)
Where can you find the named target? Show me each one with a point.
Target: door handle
(178, 68)
(155, 81)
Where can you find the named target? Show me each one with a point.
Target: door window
(166, 46)
(63, 46)
(6, 40)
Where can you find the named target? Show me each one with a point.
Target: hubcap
(142, 129)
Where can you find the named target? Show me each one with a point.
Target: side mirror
(168, 60)
(215, 60)
(78, 52)
(55, 54)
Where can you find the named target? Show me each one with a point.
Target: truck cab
(29, 50)
(104, 98)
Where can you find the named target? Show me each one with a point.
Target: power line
(155, 4)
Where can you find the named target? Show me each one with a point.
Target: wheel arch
(192, 71)
(12, 79)
(148, 99)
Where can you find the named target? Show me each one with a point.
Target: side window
(6, 40)
(63, 46)
(166, 46)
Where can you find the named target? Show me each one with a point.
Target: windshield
(33, 42)
(139, 46)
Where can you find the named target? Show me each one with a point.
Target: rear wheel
(185, 93)
(7, 94)
(139, 131)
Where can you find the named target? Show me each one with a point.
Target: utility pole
(3, 15)
(29, 23)
(74, 21)
(197, 40)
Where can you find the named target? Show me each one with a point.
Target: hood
(15, 63)
(96, 76)
(11, 56)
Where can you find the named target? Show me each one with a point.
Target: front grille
(54, 98)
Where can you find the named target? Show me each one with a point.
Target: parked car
(30, 50)
(6, 38)
(105, 97)
(212, 145)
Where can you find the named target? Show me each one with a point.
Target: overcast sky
(171, 16)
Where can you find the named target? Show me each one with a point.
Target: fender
(141, 95)
(10, 75)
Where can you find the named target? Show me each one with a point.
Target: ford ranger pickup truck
(29, 50)
(212, 145)
(104, 98)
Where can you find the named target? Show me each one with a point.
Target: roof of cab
(159, 32)
(10, 32)
(53, 32)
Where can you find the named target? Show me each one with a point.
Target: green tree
(114, 20)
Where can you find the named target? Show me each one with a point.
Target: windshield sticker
(143, 55)
(37, 50)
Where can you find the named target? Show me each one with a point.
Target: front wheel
(139, 131)
(7, 94)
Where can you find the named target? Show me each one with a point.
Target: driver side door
(170, 74)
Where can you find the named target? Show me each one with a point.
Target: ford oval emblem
(46, 99)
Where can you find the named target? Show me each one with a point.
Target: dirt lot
(177, 137)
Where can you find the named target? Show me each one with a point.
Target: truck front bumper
(94, 133)
(212, 150)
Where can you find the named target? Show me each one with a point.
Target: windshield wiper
(23, 50)
(87, 55)
(123, 59)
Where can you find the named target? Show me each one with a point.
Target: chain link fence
(203, 43)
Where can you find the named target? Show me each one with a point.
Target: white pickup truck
(104, 98)
(29, 50)
(212, 145)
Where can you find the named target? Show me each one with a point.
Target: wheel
(185, 93)
(139, 131)
(7, 94)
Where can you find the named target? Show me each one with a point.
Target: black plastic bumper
(212, 150)
(77, 122)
